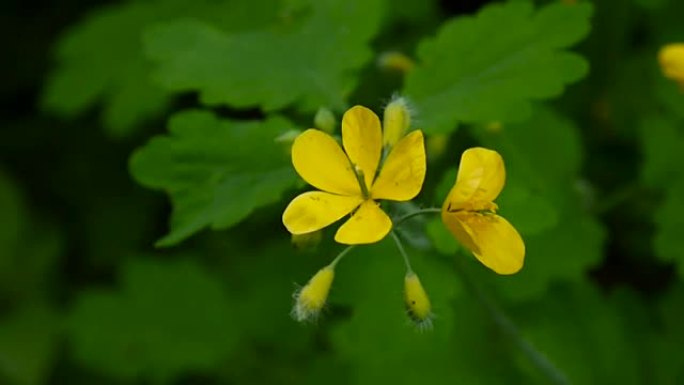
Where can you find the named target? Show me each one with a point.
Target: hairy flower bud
(396, 121)
(310, 299)
(418, 304)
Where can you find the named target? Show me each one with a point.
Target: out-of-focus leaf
(12, 219)
(215, 171)
(668, 242)
(166, 319)
(668, 364)
(27, 345)
(489, 67)
(29, 247)
(101, 58)
(307, 60)
(443, 241)
(583, 334)
(651, 4)
(662, 142)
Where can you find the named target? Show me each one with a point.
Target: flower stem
(555, 375)
(402, 251)
(340, 255)
(408, 216)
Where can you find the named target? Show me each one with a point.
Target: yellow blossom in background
(396, 61)
(671, 58)
(469, 212)
(347, 179)
(310, 300)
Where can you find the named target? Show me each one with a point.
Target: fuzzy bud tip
(310, 299)
(418, 304)
(396, 121)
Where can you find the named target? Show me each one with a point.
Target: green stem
(555, 375)
(416, 213)
(402, 251)
(340, 255)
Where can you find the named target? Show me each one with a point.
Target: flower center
(481, 208)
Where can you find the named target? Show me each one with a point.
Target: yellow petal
(362, 140)
(491, 238)
(320, 161)
(369, 224)
(403, 173)
(315, 210)
(481, 176)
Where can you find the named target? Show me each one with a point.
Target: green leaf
(29, 246)
(216, 171)
(583, 334)
(168, 318)
(308, 60)
(443, 241)
(662, 143)
(668, 242)
(489, 67)
(28, 338)
(101, 59)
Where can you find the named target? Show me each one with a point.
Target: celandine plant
(374, 165)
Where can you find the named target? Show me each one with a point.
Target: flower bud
(396, 121)
(671, 58)
(310, 300)
(418, 304)
(395, 61)
(325, 120)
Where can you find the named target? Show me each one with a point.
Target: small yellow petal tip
(418, 306)
(671, 59)
(396, 121)
(325, 120)
(311, 299)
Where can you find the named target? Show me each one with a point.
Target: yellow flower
(348, 181)
(671, 58)
(470, 212)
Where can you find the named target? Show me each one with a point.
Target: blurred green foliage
(141, 239)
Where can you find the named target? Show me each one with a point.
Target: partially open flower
(310, 299)
(469, 212)
(417, 302)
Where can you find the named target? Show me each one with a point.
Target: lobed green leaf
(215, 171)
(489, 67)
